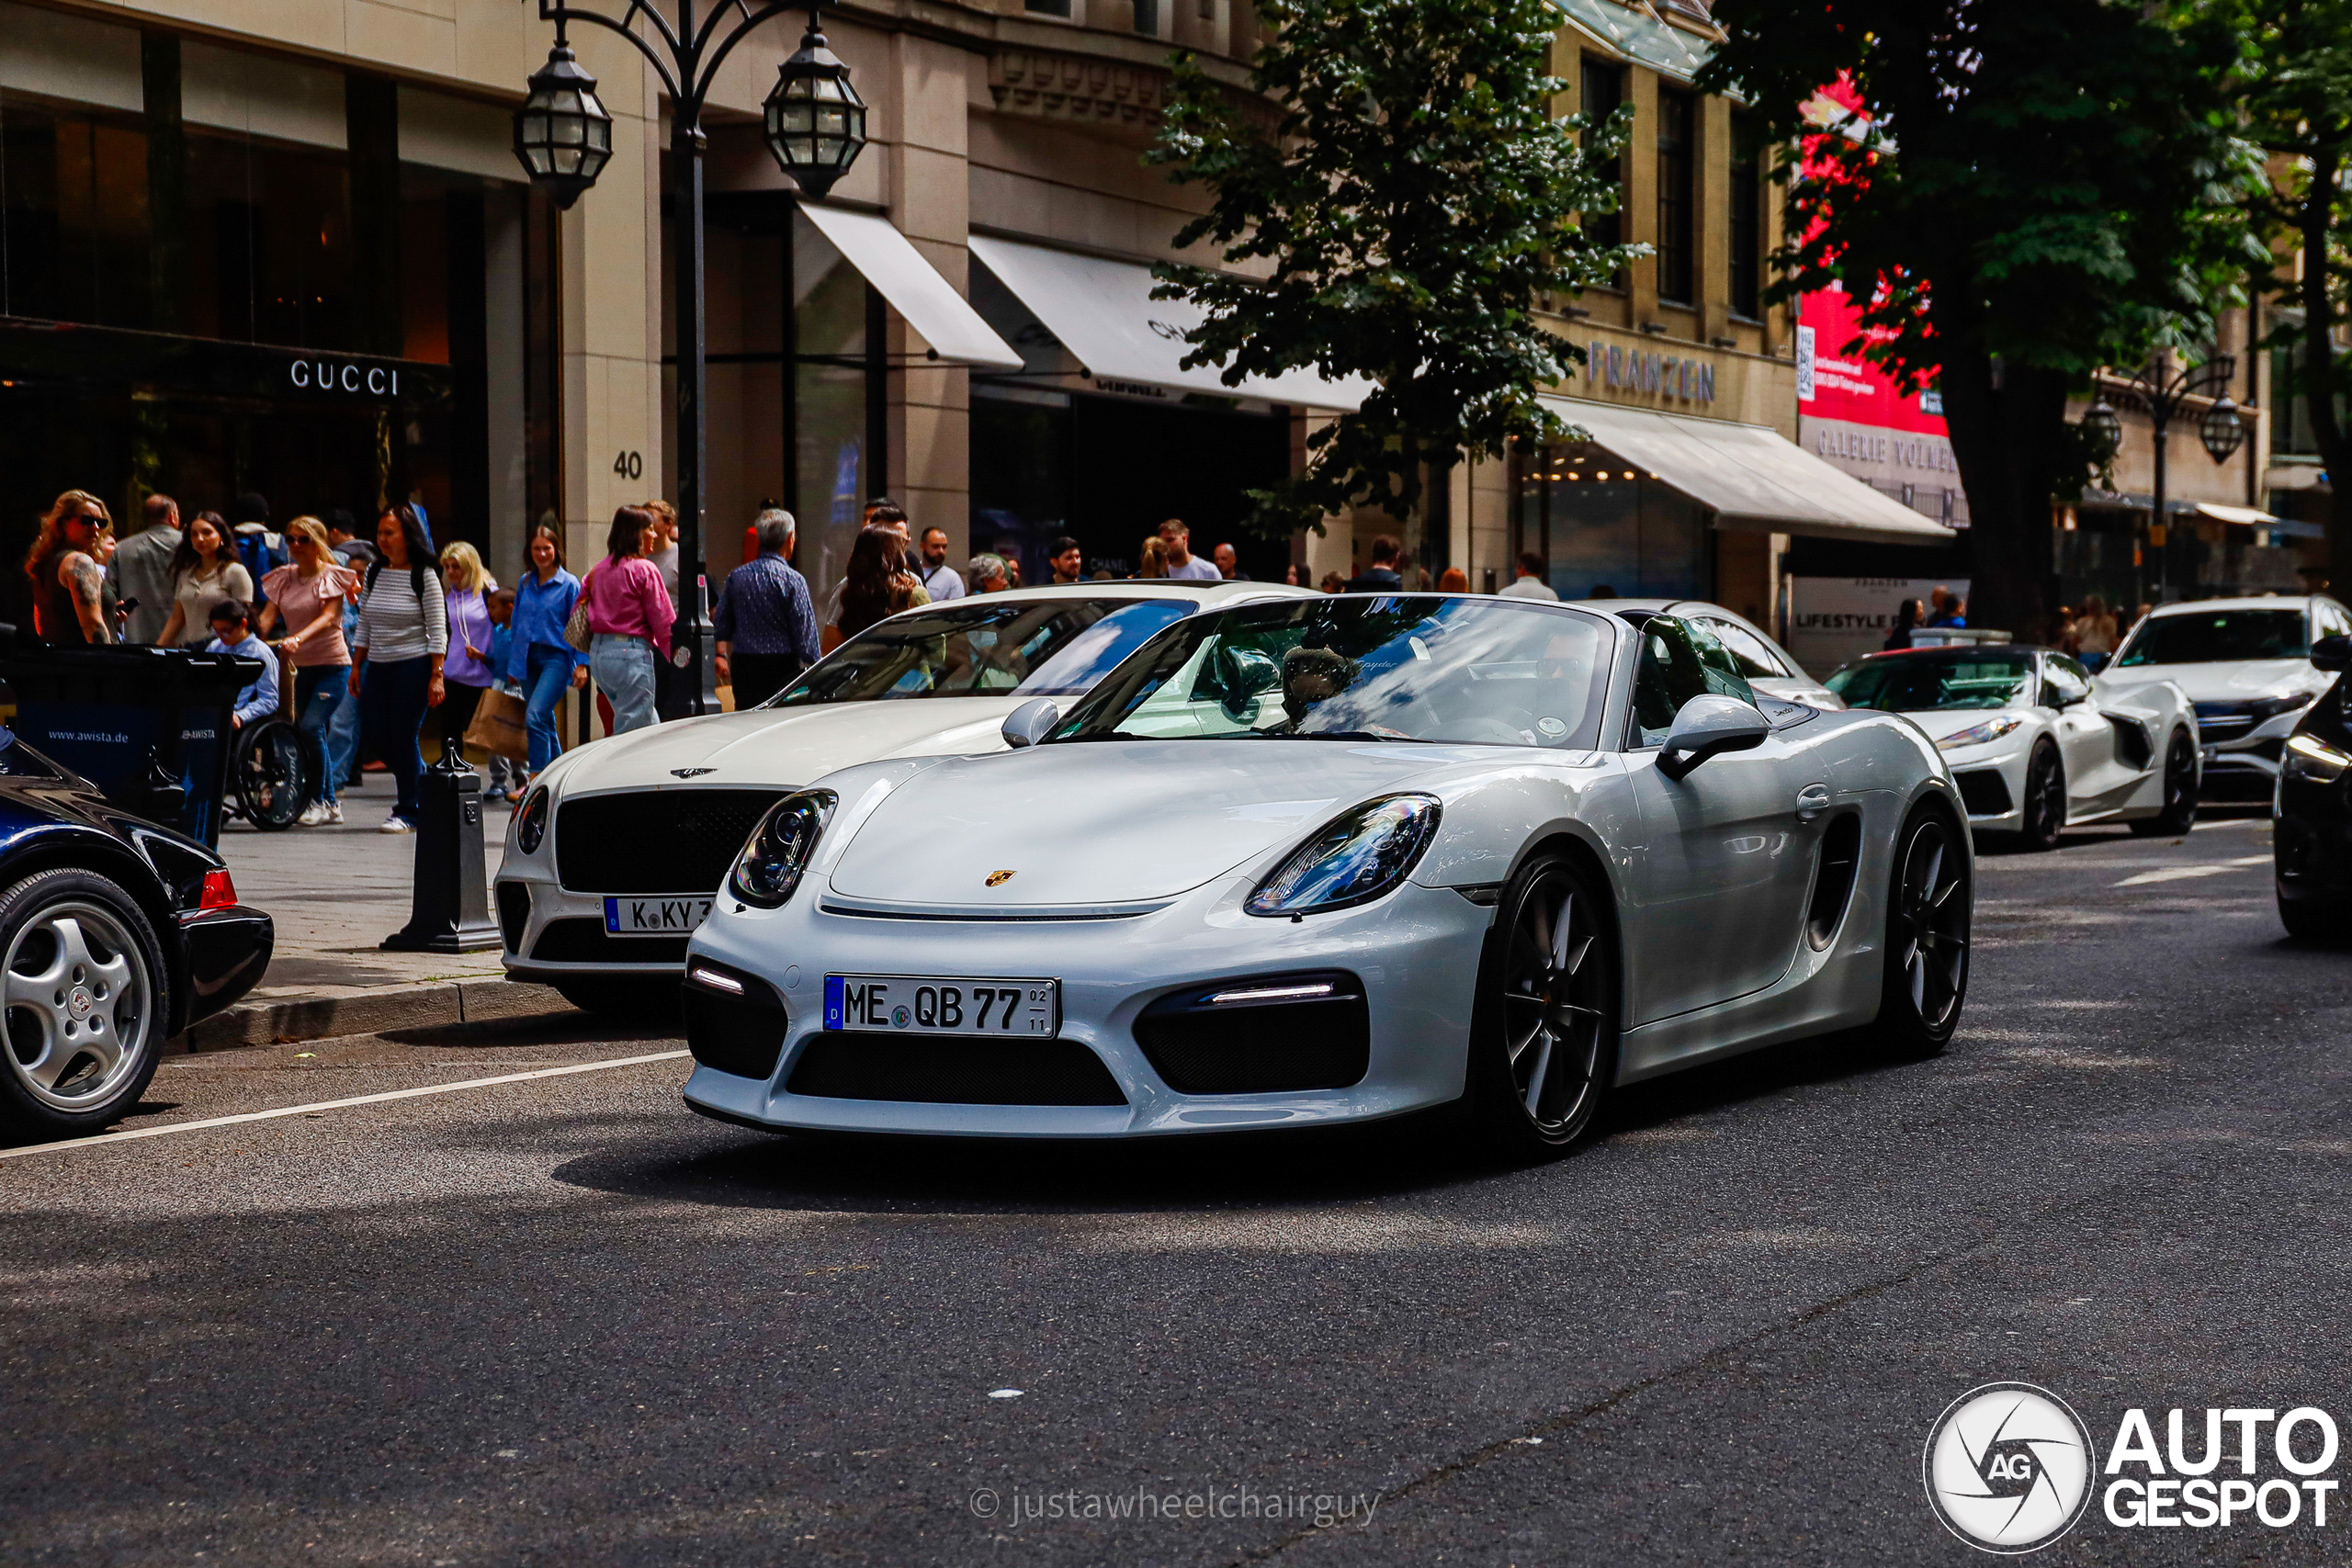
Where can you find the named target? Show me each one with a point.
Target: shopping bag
(497, 727)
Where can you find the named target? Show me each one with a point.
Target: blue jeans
(342, 739)
(547, 677)
(392, 700)
(318, 694)
(624, 668)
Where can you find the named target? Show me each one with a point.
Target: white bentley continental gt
(1334, 859)
(2036, 743)
(613, 855)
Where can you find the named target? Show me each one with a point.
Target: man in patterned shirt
(764, 626)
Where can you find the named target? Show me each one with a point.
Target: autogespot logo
(2008, 1467)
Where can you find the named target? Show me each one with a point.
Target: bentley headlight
(1979, 733)
(1353, 860)
(531, 821)
(2312, 759)
(778, 850)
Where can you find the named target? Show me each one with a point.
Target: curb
(367, 1012)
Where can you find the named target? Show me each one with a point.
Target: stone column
(925, 114)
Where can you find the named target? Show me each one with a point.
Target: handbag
(575, 626)
(497, 727)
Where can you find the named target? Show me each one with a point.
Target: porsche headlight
(778, 850)
(2313, 761)
(1978, 734)
(531, 821)
(1354, 859)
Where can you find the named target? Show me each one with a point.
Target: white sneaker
(397, 825)
(333, 813)
(312, 815)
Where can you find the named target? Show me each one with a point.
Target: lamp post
(2163, 398)
(814, 123)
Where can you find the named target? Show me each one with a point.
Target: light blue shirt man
(259, 700)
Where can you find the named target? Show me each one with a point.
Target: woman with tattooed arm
(72, 603)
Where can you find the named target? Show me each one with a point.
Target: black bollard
(449, 911)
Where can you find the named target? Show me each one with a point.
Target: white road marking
(2172, 873)
(325, 1105)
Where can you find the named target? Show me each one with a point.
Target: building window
(1147, 17)
(1677, 126)
(1047, 7)
(1601, 88)
(1746, 226)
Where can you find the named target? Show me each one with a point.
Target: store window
(1599, 522)
(1677, 145)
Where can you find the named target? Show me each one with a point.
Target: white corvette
(1335, 860)
(612, 857)
(2035, 742)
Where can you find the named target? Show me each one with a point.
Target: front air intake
(1267, 1034)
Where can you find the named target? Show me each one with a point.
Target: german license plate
(654, 917)
(1028, 1009)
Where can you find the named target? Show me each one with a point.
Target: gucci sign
(331, 376)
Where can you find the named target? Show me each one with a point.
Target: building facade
(284, 246)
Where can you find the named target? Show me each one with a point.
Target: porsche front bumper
(1415, 954)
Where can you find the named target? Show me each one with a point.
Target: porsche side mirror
(1031, 722)
(2332, 653)
(1707, 727)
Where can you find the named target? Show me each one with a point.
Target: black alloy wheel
(1545, 1050)
(2179, 813)
(1928, 905)
(2045, 799)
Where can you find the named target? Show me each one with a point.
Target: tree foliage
(2044, 188)
(1398, 212)
(2293, 88)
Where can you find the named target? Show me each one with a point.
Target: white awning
(1103, 313)
(2250, 515)
(1753, 478)
(931, 305)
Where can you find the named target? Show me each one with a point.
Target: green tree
(2293, 87)
(2034, 197)
(1404, 203)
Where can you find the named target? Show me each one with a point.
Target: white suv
(2245, 663)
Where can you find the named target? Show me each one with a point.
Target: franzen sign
(1682, 376)
(345, 377)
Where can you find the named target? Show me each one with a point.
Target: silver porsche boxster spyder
(1332, 859)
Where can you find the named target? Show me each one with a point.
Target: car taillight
(219, 892)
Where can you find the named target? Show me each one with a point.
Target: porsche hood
(1110, 822)
(787, 746)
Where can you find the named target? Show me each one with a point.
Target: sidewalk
(335, 892)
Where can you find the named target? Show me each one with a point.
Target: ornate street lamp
(815, 128)
(816, 122)
(562, 133)
(2165, 399)
(2221, 431)
(2104, 430)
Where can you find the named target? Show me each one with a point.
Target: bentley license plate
(1030, 1010)
(654, 917)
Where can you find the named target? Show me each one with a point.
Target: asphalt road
(560, 1320)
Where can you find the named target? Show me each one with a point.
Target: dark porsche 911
(115, 935)
(2313, 843)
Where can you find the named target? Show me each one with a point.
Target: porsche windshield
(1361, 667)
(2219, 637)
(984, 648)
(1915, 682)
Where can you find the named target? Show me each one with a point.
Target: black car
(2313, 843)
(115, 935)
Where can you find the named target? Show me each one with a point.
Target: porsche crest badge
(999, 878)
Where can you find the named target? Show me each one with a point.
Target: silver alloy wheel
(79, 1004)
(1554, 981)
(1932, 925)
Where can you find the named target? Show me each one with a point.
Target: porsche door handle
(1812, 801)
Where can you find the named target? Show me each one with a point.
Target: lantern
(816, 122)
(562, 133)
